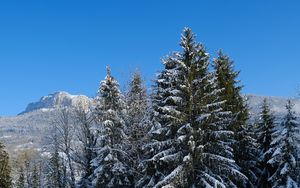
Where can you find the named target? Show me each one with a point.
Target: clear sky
(54, 45)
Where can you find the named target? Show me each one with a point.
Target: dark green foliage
(266, 129)
(285, 152)
(247, 155)
(5, 169)
(245, 145)
(35, 178)
(231, 91)
(57, 171)
(21, 179)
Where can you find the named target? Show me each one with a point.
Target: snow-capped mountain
(27, 129)
(57, 100)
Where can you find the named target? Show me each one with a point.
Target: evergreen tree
(57, 169)
(136, 100)
(136, 106)
(5, 169)
(112, 163)
(231, 91)
(284, 152)
(244, 144)
(266, 128)
(190, 136)
(35, 178)
(247, 155)
(21, 179)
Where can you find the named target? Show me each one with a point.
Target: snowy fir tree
(112, 164)
(231, 91)
(285, 153)
(136, 103)
(247, 155)
(57, 170)
(190, 136)
(136, 119)
(265, 131)
(35, 182)
(5, 169)
(21, 178)
(244, 143)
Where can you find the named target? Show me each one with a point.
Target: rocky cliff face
(58, 100)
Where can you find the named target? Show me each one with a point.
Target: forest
(191, 129)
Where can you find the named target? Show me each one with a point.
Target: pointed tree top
(289, 105)
(187, 38)
(220, 52)
(108, 70)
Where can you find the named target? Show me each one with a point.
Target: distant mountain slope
(277, 104)
(57, 100)
(29, 129)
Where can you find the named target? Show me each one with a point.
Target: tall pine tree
(266, 129)
(244, 143)
(190, 136)
(57, 169)
(5, 169)
(137, 104)
(21, 179)
(112, 164)
(227, 79)
(285, 153)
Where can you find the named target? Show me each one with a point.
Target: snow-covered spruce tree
(21, 178)
(190, 135)
(247, 154)
(244, 144)
(57, 169)
(265, 131)
(165, 155)
(217, 167)
(112, 164)
(35, 183)
(136, 105)
(231, 91)
(5, 169)
(284, 152)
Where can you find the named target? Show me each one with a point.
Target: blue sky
(48, 46)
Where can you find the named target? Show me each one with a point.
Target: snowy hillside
(27, 129)
(277, 104)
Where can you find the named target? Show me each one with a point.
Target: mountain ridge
(57, 100)
(64, 99)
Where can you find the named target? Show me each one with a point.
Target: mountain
(31, 128)
(57, 100)
(277, 104)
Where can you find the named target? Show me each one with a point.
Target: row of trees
(192, 131)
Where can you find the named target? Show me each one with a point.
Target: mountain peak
(57, 100)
